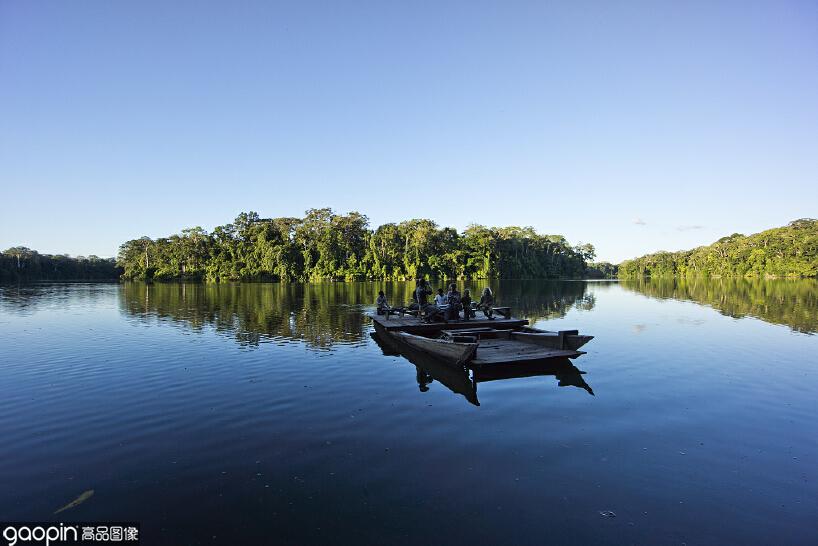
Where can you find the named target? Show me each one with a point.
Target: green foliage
(789, 251)
(21, 264)
(327, 246)
(602, 270)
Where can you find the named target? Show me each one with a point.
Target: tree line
(324, 245)
(602, 270)
(21, 264)
(789, 251)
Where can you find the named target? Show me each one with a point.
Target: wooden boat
(459, 380)
(455, 350)
(478, 342)
(414, 325)
(479, 347)
(566, 339)
(520, 331)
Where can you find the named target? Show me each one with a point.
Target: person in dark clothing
(382, 303)
(426, 311)
(466, 302)
(453, 311)
(422, 292)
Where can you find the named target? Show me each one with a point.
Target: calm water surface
(262, 413)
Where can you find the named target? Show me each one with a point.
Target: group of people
(448, 304)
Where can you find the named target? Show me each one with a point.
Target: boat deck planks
(413, 325)
(496, 351)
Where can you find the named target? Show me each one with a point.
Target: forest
(602, 270)
(21, 264)
(324, 245)
(789, 251)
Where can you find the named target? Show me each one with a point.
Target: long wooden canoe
(448, 350)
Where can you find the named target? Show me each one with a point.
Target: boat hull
(452, 352)
(489, 351)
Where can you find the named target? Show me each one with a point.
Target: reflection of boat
(458, 379)
(455, 378)
(478, 343)
(566, 373)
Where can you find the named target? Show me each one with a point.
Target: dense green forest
(21, 264)
(789, 251)
(327, 246)
(602, 270)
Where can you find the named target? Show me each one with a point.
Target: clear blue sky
(636, 126)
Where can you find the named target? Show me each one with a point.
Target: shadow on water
(319, 315)
(460, 380)
(792, 302)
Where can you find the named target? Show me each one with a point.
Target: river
(261, 413)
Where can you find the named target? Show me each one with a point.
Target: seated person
(453, 310)
(465, 301)
(486, 303)
(383, 305)
(441, 300)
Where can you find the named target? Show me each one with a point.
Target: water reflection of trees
(792, 302)
(24, 299)
(319, 314)
(316, 314)
(536, 300)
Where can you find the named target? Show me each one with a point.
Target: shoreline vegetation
(21, 264)
(788, 251)
(325, 246)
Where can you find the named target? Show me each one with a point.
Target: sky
(635, 126)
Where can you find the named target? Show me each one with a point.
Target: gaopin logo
(29, 533)
(14, 534)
